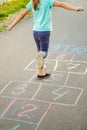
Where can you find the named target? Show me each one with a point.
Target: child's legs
(42, 41)
(37, 40)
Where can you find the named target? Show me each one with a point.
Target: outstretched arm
(67, 6)
(18, 19)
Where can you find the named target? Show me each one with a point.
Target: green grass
(3, 28)
(11, 7)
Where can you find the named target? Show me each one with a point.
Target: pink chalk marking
(44, 114)
(34, 100)
(61, 56)
(8, 107)
(24, 113)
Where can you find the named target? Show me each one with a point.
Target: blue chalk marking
(37, 127)
(15, 128)
(66, 48)
(55, 47)
(80, 50)
(21, 121)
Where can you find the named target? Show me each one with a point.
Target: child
(41, 10)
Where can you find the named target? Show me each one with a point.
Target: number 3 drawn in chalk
(20, 89)
(29, 107)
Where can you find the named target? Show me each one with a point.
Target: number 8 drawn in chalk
(30, 108)
(21, 88)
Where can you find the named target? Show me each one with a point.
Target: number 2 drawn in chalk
(20, 89)
(59, 95)
(29, 107)
(15, 128)
(73, 66)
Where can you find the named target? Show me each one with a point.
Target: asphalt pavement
(56, 103)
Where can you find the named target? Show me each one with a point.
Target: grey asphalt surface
(57, 103)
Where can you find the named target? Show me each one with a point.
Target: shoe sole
(44, 76)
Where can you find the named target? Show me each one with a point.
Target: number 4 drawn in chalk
(59, 95)
(15, 128)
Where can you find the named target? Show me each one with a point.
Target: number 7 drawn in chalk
(73, 66)
(15, 128)
(59, 95)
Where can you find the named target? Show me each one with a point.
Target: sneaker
(43, 76)
(40, 60)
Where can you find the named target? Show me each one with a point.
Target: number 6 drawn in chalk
(21, 88)
(29, 107)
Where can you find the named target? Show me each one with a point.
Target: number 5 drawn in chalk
(29, 107)
(15, 128)
(59, 95)
(53, 77)
(20, 89)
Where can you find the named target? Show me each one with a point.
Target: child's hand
(79, 9)
(9, 27)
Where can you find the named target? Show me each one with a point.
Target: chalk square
(55, 65)
(25, 110)
(20, 89)
(58, 94)
(55, 78)
(74, 67)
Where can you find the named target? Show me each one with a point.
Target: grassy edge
(10, 18)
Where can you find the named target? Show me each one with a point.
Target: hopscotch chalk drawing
(25, 103)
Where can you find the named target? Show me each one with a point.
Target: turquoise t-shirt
(42, 16)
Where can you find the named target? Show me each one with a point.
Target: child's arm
(18, 19)
(67, 6)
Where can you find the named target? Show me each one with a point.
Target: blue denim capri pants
(42, 40)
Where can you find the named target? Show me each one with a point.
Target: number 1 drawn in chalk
(73, 66)
(15, 128)
(59, 95)
(56, 65)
